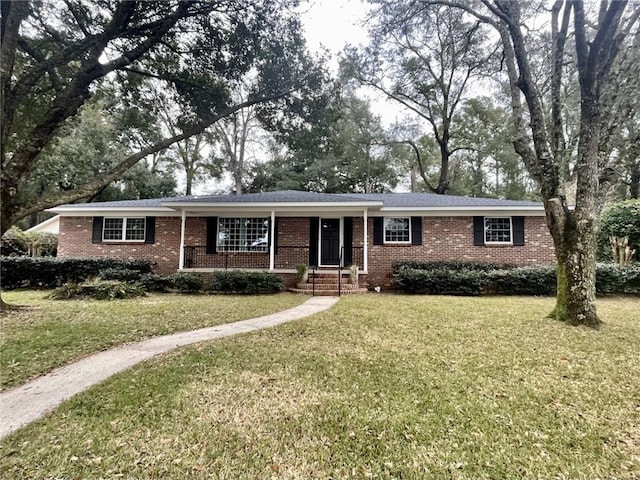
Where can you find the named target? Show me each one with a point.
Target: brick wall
(443, 238)
(74, 240)
(293, 242)
(451, 238)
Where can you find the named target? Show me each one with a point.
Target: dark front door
(330, 241)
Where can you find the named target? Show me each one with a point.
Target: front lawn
(51, 333)
(377, 387)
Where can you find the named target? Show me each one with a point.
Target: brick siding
(451, 238)
(74, 240)
(443, 238)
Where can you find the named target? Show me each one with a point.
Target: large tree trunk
(575, 245)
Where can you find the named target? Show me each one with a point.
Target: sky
(334, 23)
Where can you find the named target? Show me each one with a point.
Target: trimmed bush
(121, 275)
(441, 281)
(610, 278)
(531, 280)
(100, 290)
(48, 272)
(454, 266)
(155, 283)
(457, 278)
(185, 282)
(243, 282)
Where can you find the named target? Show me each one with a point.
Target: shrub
(451, 265)
(99, 290)
(121, 274)
(151, 282)
(472, 279)
(610, 278)
(49, 272)
(620, 220)
(632, 281)
(530, 280)
(185, 282)
(14, 242)
(246, 282)
(441, 281)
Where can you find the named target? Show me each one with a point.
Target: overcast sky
(333, 23)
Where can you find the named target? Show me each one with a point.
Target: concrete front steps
(326, 284)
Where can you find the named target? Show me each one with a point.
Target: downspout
(365, 253)
(272, 243)
(182, 233)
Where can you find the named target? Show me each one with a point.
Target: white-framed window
(241, 234)
(397, 230)
(497, 230)
(123, 229)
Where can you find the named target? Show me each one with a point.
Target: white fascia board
(114, 211)
(292, 206)
(525, 211)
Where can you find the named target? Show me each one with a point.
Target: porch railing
(197, 257)
(287, 256)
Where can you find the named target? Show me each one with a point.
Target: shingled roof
(291, 197)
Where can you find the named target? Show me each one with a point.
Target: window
(243, 234)
(397, 230)
(497, 230)
(124, 229)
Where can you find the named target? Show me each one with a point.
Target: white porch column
(365, 253)
(182, 230)
(272, 243)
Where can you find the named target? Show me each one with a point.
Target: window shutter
(348, 240)
(416, 230)
(212, 235)
(478, 231)
(378, 230)
(150, 230)
(314, 226)
(517, 224)
(97, 229)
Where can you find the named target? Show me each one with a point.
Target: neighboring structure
(51, 225)
(275, 231)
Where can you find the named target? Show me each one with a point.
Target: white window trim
(220, 248)
(123, 238)
(384, 233)
(484, 227)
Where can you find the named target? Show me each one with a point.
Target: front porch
(285, 258)
(274, 243)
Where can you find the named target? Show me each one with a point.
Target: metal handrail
(340, 271)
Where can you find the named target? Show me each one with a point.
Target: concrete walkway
(26, 403)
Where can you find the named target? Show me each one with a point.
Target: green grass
(51, 333)
(377, 387)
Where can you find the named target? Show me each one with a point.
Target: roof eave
(525, 210)
(96, 208)
(271, 205)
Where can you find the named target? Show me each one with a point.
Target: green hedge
(186, 282)
(99, 290)
(458, 278)
(441, 281)
(531, 280)
(461, 265)
(50, 272)
(243, 282)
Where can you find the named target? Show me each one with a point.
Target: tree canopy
(56, 57)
